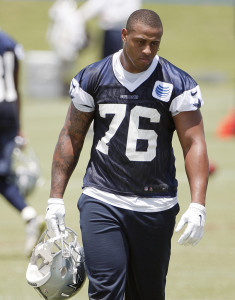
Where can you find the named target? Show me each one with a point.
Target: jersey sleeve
(189, 100)
(186, 93)
(19, 52)
(82, 100)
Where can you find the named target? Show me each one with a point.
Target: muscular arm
(189, 127)
(68, 149)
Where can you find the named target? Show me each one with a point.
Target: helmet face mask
(56, 268)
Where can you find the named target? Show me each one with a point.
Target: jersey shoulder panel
(6, 43)
(92, 76)
(180, 79)
(186, 93)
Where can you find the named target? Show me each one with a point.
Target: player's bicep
(77, 122)
(189, 127)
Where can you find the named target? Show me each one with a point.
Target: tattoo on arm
(68, 149)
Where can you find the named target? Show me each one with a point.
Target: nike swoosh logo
(193, 93)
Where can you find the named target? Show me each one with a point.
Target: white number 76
(134, 133)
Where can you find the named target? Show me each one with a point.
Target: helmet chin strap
(65, 250)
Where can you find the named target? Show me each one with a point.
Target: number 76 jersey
(132, 150)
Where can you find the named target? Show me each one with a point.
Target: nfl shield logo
(162, 91)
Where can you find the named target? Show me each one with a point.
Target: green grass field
(199, 39)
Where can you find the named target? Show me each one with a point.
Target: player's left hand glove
(195, 218)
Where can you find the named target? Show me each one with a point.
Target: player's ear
(124, 35)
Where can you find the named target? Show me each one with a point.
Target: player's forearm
(197, 169)
(68, 149)
(64, 162)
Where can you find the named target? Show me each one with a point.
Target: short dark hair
(145, 16)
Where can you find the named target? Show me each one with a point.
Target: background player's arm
(68, 149)
(189, 127)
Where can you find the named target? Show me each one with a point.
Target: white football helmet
(25, 167)
(56, 268)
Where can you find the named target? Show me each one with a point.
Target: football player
(112, 15)
(10, 54)
(129, 203)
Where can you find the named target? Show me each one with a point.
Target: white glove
(55, 214)
(195, 218)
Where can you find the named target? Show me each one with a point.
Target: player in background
(129, 201)
(67, 31)
(10, 130)
(112, 15)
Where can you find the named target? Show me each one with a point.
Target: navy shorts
(127, 252)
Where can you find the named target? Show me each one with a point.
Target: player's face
(140, 47)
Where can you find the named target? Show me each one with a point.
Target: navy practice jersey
(133, 125)
(8, 94)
